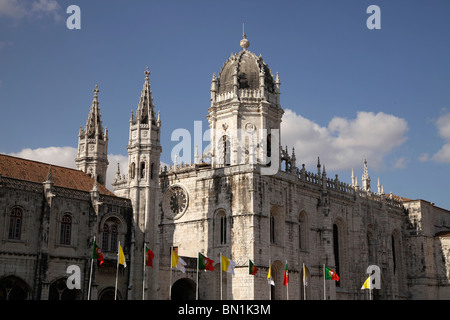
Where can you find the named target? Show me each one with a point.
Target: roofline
(54, 165)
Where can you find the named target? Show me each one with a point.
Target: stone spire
(92, 156)
(93, 126)
(366, 178)
(145, 113)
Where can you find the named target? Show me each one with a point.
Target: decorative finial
(244, 42)
(96, 91)
(147, 74)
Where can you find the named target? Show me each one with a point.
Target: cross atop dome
(244, 42)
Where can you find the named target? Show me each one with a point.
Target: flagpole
(196, 293)
(270, 288)
(248, 284)
(287, 284)
(170, 274)
(304, 279)
(324, 293)
(90, 276)
(143, 275)
(220, 275)
(117, 272)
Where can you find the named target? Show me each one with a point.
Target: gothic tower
(141, 186)
(92, 156)
(245, 112)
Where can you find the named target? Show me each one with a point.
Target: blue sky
(349, 93)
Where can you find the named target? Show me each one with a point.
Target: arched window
(302, 231)
(15, 224)
(13, 288)
(142, 170)
(221, 228)
(110, 235)
(226, 151)
(66, 229)
(132, 170)
(269, 150)
(105, 238)
(276, 222)
(58, 291)
(113, 242)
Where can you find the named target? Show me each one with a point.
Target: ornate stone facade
(49, 216)
(245, 198)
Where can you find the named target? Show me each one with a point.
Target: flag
(149, 255)
(177, 262)
(269, 277)
(252, 269)
(228, 265)
(331, 275)
(205, 263)
(305, 275)
(286, 276)
(122, 257)
(97, 253)
(367, 284)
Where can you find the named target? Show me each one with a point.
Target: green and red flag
(286, 276)
(97, 253)
(205, 263)
(330, 274)
(149, 255)
(252, 269)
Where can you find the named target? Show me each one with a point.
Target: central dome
(248, 68)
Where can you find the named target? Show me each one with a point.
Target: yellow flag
(228, 265)
(269, 277)
(225, 263)
(305, 275)
(366, 284)
(122, 257)
(177, 262)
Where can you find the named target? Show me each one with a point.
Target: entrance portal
(183, 289)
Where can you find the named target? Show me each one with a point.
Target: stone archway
(277, 291)
(183, 289)
(13, 288)
(58, 291)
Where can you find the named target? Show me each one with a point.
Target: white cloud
(443, 155)
(400, 163)
(344, 143)
(12, 8)
(60, 156)
(19, 9)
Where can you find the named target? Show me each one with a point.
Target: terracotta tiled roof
(399, 198)
(29, 170)
(443, 234)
